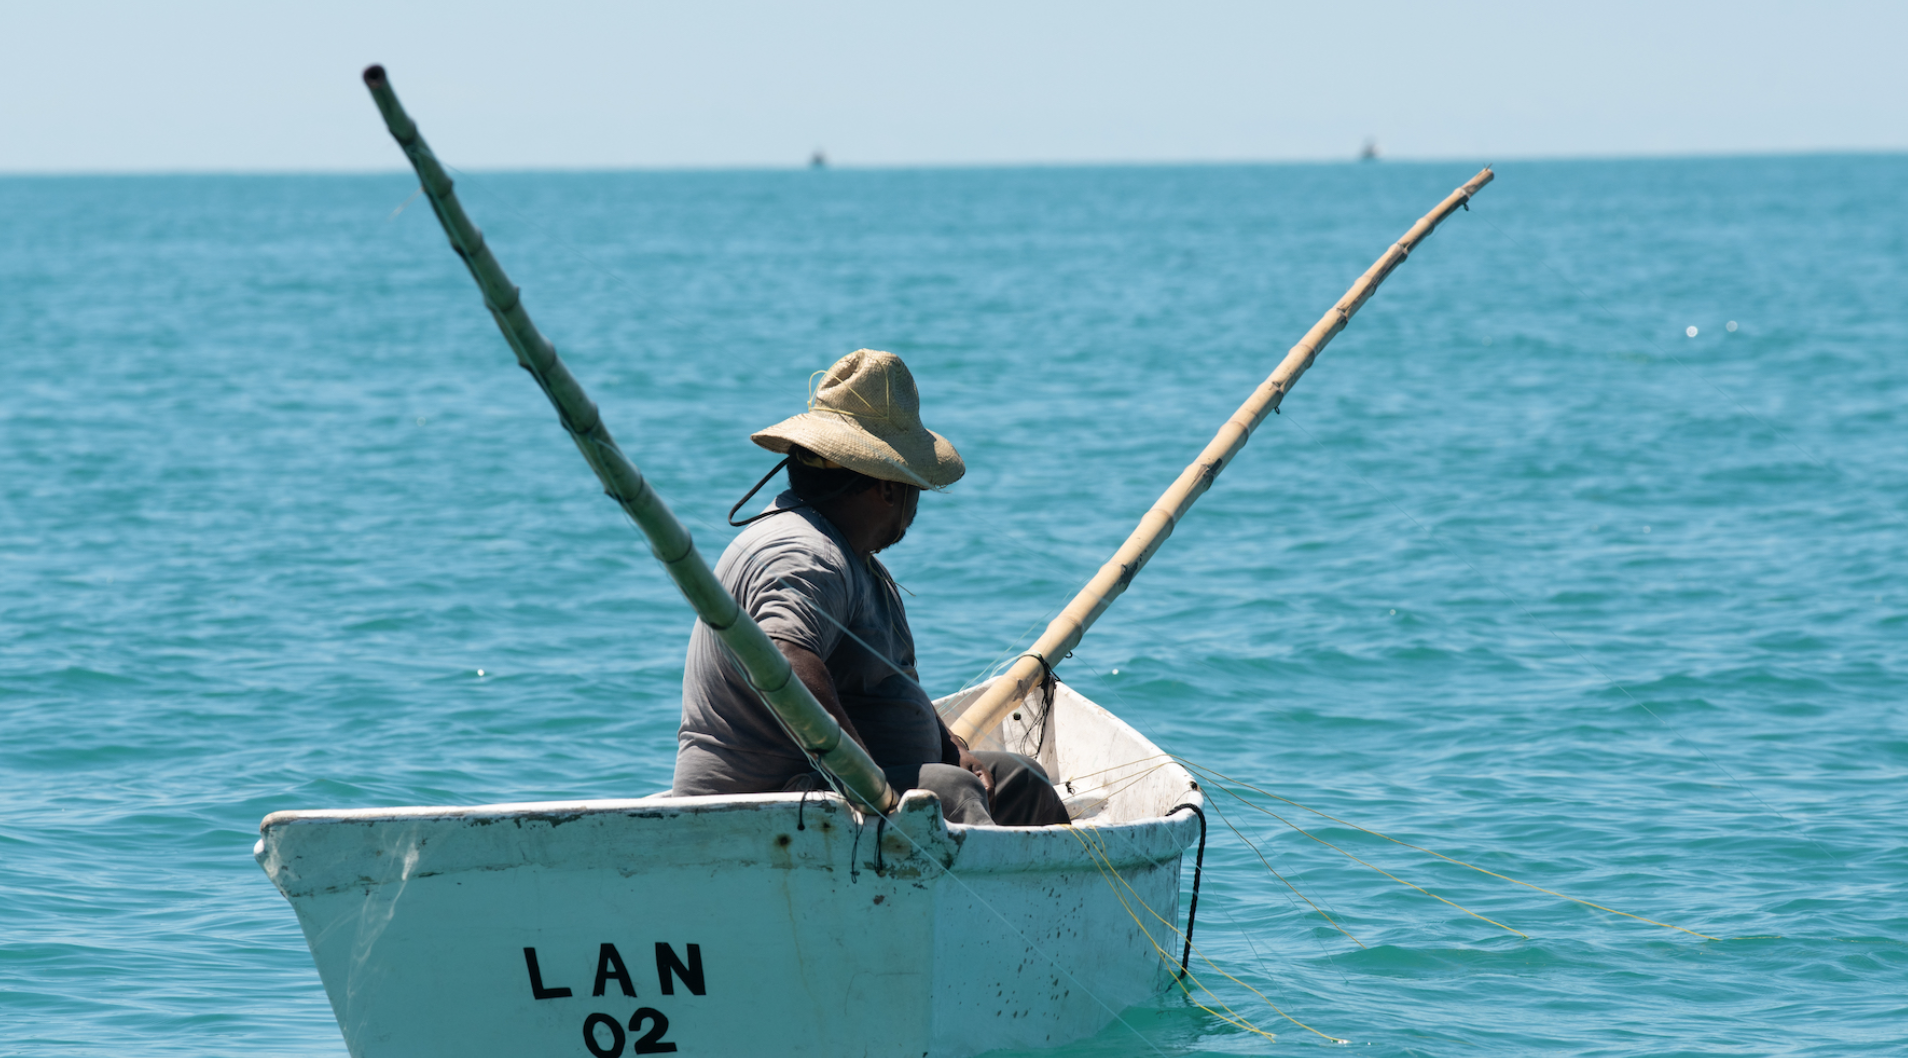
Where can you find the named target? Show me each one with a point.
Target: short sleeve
(798, 595)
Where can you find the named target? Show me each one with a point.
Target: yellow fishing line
(1101, 857)
(1227, 820)
(1160, 758)
(1380, 870)
(1129, 783)
(1104, 865)
(1109, 869)
(1128, 780)
(1442, 856)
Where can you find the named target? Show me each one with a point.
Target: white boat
(781, 924)
(768, 924)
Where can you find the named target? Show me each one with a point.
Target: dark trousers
(1023, 796)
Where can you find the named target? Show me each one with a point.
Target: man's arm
(810, 670)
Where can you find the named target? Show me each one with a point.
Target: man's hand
(954, 751)
(973, 764)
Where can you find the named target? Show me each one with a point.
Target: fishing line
(1433, 852)
(1130, 715)
(1227, 820)
(1231, 1016)
(1108, 869)
(406, 204)
(1312, 935)
(1126, 783)
(1380, 870)
(1533, 619)
(992, 667)
(1224, 818)
(1236, 1019)
(1258, 957)
(1155, 759)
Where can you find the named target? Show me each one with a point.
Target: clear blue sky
(101, 85)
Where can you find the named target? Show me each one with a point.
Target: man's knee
(963, 797)
(1023, 796)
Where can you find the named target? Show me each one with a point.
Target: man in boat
(804, 569)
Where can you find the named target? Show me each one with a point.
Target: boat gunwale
(983, 849)
(657, 803)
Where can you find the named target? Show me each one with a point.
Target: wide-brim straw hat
(866, 416)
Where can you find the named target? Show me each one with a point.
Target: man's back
(797, 576)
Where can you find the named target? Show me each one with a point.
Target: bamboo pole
(814, 729)
(1063, 634)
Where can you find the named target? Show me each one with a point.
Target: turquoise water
(1525, 574)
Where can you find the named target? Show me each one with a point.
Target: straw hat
(866, 416)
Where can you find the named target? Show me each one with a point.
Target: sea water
(1578, 557)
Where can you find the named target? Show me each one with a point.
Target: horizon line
(1185, 163)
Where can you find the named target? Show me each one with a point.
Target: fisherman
(804, 569)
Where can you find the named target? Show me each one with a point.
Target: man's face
(904, 500)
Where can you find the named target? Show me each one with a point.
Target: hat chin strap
(774, 470)
(852, 482)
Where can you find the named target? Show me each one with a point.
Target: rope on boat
(1046, 685)
(1199, 871)
(854, 855)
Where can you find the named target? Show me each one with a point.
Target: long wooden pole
(1063, 634)
(813, 728)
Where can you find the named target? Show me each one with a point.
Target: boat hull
(768, 924)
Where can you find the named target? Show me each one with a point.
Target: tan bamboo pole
(1064, 633)
(811, 725)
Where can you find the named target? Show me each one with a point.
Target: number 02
(650, 1042)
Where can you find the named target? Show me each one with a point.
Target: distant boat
(752, 924)
(1369, 153)
(818, 160)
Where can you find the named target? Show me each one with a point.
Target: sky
(215, 85)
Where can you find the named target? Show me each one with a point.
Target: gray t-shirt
(796, 575)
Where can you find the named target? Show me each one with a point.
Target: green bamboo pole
(814, 729)
(1064, 633)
